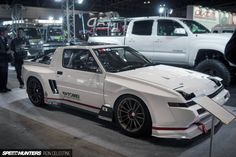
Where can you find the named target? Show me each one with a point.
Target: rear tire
(132, 116)
(35, 91)
(215, 68)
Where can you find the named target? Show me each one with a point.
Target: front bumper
(184, 133)
(188, 132)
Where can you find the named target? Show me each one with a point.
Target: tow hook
(202, 127)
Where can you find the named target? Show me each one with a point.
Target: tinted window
(167, 27)
(79, 59)
(32, 33)
(195, 27)
(142, 27)
(46, 59)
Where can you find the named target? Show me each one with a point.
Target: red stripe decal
(90, 106)
(168, 129)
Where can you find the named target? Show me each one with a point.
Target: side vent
(53, 86)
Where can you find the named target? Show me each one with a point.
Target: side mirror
(180, 32)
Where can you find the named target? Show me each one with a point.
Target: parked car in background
(53, 37)
(174, 41)
(33, 35)
(121, 85)
(220, 28)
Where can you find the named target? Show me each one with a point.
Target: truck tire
(215, 68)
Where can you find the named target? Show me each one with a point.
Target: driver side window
(79, 59)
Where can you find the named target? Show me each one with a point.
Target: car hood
(173, 78)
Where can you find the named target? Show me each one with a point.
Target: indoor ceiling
(130, 7)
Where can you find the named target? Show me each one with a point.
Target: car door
(170, 46)
(140, 37)
(80, 82)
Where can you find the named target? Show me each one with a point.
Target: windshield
(55, 31)
(55, 34)
(32, 33)
(195, 27)
(116, 59)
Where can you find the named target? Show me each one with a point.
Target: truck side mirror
(180, 32)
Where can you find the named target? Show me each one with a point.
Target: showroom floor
(53, 127)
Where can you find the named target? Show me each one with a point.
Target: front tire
(215, 68)
(35, 91)
(132, 116)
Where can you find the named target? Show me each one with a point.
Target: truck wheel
(215, 68)
(132, 116)
(35, 91)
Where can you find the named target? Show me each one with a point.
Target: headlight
(186, 95)
(188, 104)
(172, 104)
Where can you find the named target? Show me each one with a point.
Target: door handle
(59, 72)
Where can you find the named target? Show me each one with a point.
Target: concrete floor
(26, 126)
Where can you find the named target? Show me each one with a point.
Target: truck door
(140, 37)
(171, 43)
(79, 82)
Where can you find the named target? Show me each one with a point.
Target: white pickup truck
(174, 41)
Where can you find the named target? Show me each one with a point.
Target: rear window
(45, 59)
(142, 27)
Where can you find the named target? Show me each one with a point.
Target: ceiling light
(161, 10)
(80, 1)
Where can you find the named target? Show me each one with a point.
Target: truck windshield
(117, 59)
(195, 27)
(55, 34)
(55, 31)
(32, 33)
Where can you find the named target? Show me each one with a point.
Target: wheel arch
(33, 76)
(204, 54)
(146, 129)
(142, 99)
(41, 99)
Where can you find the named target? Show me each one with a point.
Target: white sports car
(121, 85)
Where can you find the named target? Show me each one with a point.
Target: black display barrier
(230, 49)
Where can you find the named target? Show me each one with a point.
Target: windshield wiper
(129, 67)
(147, 64)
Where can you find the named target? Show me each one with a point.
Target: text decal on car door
(71, 95)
